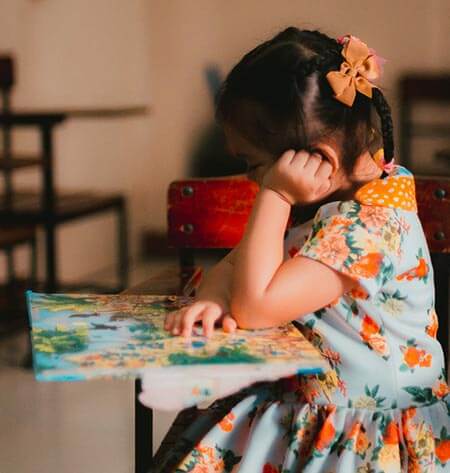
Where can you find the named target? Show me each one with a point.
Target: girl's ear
(330, 154)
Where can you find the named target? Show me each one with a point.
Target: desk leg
(143, 433)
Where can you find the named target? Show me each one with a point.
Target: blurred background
(113, 101)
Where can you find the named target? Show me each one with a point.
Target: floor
(79, 427)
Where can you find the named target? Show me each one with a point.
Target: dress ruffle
(264, 434)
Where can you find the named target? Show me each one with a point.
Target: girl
(357, 278)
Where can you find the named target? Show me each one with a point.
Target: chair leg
(143, 433)
(10, 265)
(187, 265)
(33, 262)
(27, 361)
(50, 257)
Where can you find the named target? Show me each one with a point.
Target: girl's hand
(299, 177)
(181, 322)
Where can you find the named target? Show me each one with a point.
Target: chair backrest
(213, 212)
(6, 80)
(421, 88)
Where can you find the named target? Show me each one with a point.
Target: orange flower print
(443, 450)
(389, 455)
(419, 272)
(389, 459)
(375, 216)
(226, 423)
(368, 266)
(359, 293)
(373, 337)
(339, 221)
(432, 328)
(440, 388)
(360, 443)
(326, 433)
(414, 357)
(420, 442)
(200, 469)
(391, 433)
(332, 250)
(202, 459)
(269, 468)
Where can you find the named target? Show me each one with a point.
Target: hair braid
(384, 112)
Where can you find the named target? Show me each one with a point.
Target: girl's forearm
(260, 253)
(215, 286)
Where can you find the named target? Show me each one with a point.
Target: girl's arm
(216, 284)
(212, 302)
(268, 292)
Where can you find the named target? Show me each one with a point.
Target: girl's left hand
(299, 177)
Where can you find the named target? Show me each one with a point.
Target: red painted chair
(212, 213)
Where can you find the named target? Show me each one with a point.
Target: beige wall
(112, 52)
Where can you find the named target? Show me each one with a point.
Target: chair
(48, 208)
(12, 303)
(415, 89)
(212, 213)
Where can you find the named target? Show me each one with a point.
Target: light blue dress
(382, 407)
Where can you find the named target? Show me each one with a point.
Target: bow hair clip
(360, 67)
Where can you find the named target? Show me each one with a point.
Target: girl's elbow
(242, 312)
(248, 316)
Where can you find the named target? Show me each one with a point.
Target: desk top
(81, 337)
(53, 115)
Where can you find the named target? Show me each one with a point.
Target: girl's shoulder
(380, 206)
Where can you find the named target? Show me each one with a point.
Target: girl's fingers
(170, 318)
(300, 159)
(325, 170)
(313, 164)
(176, 324)
(287, 156)
(209, 316)
(229, 325)
(187, 322)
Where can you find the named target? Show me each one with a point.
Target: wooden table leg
(143, 433)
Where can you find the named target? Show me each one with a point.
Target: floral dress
(382, 407)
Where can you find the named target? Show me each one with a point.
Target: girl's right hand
(181, 322)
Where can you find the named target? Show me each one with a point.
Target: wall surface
(112, 52)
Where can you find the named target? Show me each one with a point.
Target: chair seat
(19, 161)
(27, 207)
(11, 236)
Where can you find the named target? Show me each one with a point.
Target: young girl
(357, 278)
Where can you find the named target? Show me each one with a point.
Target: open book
(85, 336)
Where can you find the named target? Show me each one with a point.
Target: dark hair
(278, 97)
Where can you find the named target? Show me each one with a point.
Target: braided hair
(278, 97)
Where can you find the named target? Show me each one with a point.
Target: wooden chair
(212, 213)
(415, 89)
(49, 207)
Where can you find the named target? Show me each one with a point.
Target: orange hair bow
(357, 71)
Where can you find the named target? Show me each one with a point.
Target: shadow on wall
(209, 157)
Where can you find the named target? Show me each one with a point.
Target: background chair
(415, 90)
(48, 208)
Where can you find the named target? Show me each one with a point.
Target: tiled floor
(75, 427)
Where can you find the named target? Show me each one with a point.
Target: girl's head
(278, 97)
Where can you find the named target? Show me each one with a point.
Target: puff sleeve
(360, 241)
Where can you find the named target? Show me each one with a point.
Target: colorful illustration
(79, 337)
